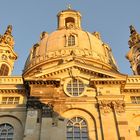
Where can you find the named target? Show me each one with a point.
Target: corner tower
(7, 54)
(134, 53)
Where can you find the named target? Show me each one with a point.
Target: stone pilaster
(31, 127)
(121, 120)
(107, 120)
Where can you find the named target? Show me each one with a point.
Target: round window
(75, 87)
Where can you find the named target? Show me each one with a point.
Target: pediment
(75, 69)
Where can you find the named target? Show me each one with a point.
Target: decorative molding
(42, 82)
(131, 90)
(7, 38)
(11, 80)
(109, 81)
(134, 37)
(119, 106)
(19, 91)
(106, 106)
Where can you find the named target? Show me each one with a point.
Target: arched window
(77, 129)
(69, 19)
(4, 70)
(35, 48)
(34, 52)
(6, 132)
(71, 40)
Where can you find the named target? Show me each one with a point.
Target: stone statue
(132, 29)
(97, 35)
(8, 30)
(43, 35)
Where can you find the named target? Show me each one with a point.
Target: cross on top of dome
(69, 7)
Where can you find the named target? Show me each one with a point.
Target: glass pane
(84, 129)
(69, 128)
(4, 99)
(75, 87)
(84, 134)
(6, 132)
(76, 134)
(84, 138)
(75, 94)
(69, 134)
(9, 138)
(76, 129)
(83, 123)
(69, 138)
(77, 139)
(10, 99)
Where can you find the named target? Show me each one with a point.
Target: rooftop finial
(132, 29)
(69, 6)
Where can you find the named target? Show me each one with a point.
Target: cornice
(79, 65)
(39, 81)
(11, 80)
(77, 57)
(11, 91)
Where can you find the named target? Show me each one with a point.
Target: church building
(70, 88)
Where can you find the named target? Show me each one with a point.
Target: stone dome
(69, 40)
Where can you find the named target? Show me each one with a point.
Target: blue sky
(111, 18)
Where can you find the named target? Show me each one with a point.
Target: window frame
(10, 100)
(74, 87)
(77, 128)
(135, 99)
(4, 70)
(9, 131)
(71, 40)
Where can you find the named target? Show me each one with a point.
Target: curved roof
(56, 45)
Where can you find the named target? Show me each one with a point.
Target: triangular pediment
(74, 68)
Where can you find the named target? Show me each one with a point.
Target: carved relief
(134, 37)
(106, 106)
(119, 106)
(70, 25)
(43, 35)
(97, 35)
(7, 38)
